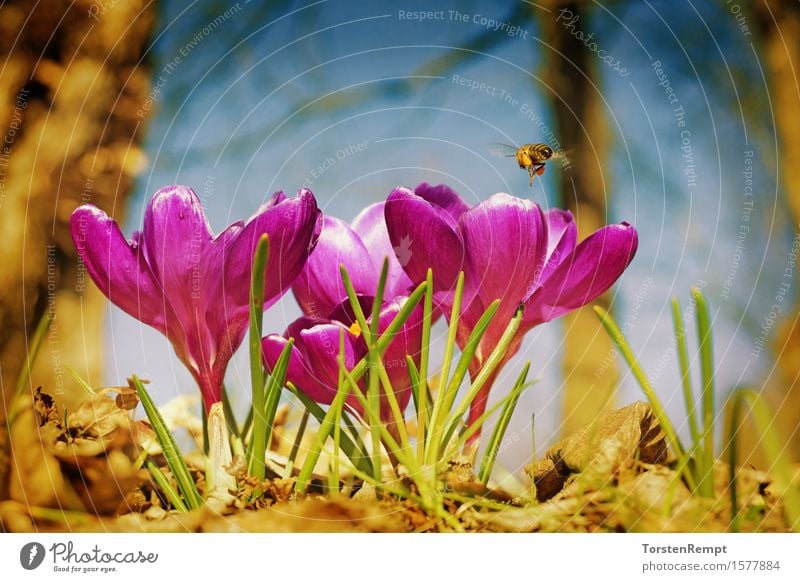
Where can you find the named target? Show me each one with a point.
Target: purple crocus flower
(362, 249)
(313, 362)
(509, 249)
(190, 285)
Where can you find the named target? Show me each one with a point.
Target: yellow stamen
(355, 329)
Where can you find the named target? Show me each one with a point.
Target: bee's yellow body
(530, 157)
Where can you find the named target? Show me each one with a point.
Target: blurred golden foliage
(779, 28)
(71, 85)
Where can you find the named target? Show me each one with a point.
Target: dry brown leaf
(36, 477)
(83, 461)
(337, 514)
(611, 442)
(127, 399)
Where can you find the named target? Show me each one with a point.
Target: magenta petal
(319, 287)
(298, 372)
(585, 274)
(293, 226)
(370, 225)
(176, 241)
(117, 267)
(320, 348)
(562, 235)
(445, 198)
(506, 240)
(423, 237)
(179, 249)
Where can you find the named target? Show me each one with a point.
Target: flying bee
(530, 157)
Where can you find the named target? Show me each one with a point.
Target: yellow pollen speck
(355, 329)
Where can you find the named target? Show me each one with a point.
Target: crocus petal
(319, 287)
(584, 275)
(562, 232)
(177, 240)
(370, 225)
(117, 267)
(320, 347)
(506, 241)
(562, 235)
(445, 198)
(346, 315)
(423, 237)
(293, 226)
(298, 372)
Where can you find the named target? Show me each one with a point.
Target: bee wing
(502, 150)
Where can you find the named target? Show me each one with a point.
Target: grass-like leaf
(780, 467)
(394, 406)
(358, 312)
(397, 449)
(490, 454)
(462, 369)
(354, 448)
(24, 377)
(476, 425)
(298, 438)
(391, 330)
(166, 487)
(258, 440)
(440, 409)
(368, 332)
(706, 477)
(421, 400)
(172, 454)
(80, 380)
(534, 498)
(377, 304)
(333, 481)
(325, 428)
(683, 360)
(230, 417)
(495, 358)
(275, 384)
(619, 340)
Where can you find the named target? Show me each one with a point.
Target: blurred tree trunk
(71, 85)
(779, 30)
(581, 126)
